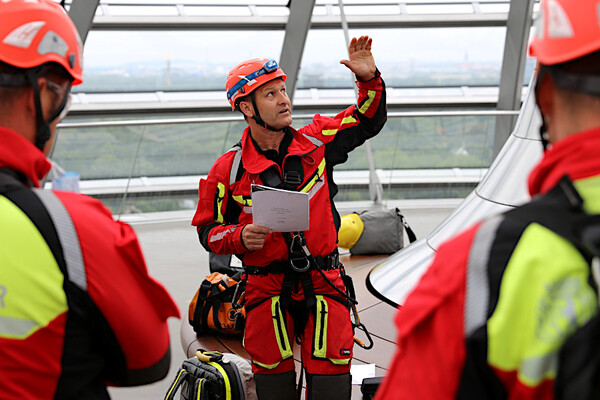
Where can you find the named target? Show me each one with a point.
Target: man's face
(274, 104)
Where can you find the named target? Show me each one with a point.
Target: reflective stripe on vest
(477, 296)
(67, 236)
(546, 302)
(40, 281)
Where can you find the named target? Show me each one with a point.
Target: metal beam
(233, 23)
(296, 31)
(513, 67)
(82, 13)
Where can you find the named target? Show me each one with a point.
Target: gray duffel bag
(383, 232)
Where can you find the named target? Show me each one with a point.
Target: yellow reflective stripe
(280, 329)
(225, 379)
(321, 317)
(221, 197)
(315, 178)
(41, 283)
(342, 361)
(245, 202)
(348, 120)
(181, 371)
(370, 97)
(548, 300)
(267, 366)
(199, 391)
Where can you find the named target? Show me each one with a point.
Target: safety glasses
(65, 104)
(267, 68)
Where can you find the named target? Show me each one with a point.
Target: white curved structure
(502, 188)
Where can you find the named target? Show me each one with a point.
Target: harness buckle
(299, 260)
(292, 178)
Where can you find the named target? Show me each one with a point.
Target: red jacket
(432, 341)
(115, 332)
(223, 210)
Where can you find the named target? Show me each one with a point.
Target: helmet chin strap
(544, 126)
(258, 119)
(43, 128)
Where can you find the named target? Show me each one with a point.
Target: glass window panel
(121, 98)
(428, 92)
(218, 11)
(439, 9)
(494, 8)
(197, 2)
(411, 57)
(175, 155)
(144, 151)
(143, 11)
(194, 96)
(368, 10)
(129, 61)
(336, 2)
(319, 10)
(273, 11)
(482, 91)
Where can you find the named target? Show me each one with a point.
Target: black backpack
(214, 376)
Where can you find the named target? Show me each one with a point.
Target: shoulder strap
(236, 165)
(410, 233)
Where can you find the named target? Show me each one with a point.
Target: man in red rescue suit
(509, 308)
(285, 293)
(78, 310)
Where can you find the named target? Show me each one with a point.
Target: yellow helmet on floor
(350, 230)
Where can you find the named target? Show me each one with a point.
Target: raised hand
(361, 60)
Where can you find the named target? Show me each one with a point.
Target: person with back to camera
(286, 295)
(78, 310)
(509, 308)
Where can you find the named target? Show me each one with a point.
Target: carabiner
(363, 328)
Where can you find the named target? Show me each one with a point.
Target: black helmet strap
(257, 117)
(43, 127)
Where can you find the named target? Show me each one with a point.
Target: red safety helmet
(245, 77)
(566, 30)
(36, 32)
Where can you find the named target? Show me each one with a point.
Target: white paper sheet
(360, 372)
(278, 209)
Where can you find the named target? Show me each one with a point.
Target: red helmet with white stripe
(36, 32)
(566, 30)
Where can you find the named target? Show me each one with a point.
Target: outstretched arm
(361, 60)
